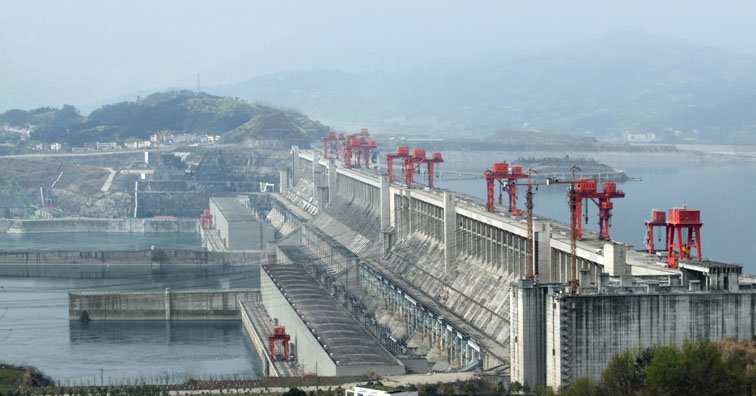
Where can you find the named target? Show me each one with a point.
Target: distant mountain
(179, 111)
(626, 81)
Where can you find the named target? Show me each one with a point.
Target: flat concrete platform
(345, 340)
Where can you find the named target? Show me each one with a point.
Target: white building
(369, 390)
(640, 137)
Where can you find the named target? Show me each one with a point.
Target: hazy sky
(81, 52)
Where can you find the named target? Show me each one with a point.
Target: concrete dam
(437, 275)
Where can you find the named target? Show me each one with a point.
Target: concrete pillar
(542, 251)
(283, 180)
(167, 304)
(386, 214)
(615, 262)
(294, 165)
(408, 220)
(450, 231)
(331, 178)
(527, 339)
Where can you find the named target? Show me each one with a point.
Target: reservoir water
(35, 330)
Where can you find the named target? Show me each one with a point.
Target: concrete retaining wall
(187, 203)
(115, 264)
(98, 225)
(584, 332)
(180, 305)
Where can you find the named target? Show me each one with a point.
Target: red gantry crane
(355, 146)
(688, 220)
(414, 161)
(507, 181)
(582, 189)
(279, 334)
(658, 219)
(331, 145)
(587, 189)
(401, 152)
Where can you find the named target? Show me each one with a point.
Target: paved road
(106, 186)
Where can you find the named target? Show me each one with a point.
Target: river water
(35, 330)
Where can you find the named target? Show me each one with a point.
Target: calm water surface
(35, 330)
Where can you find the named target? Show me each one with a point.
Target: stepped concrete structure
(444, 277)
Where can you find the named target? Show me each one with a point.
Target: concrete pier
(98, 225)
(168, 305)
(113, 264)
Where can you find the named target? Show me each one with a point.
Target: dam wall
(188, 204)
(98, 225)
(445, 245)
(585, 331)
(168, 305)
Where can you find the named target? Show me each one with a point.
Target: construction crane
(414, 161)
(507, 180)
(529, 204)
(401, 152)
(573, 201)
(529, 209)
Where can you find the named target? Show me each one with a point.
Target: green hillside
(180, 111)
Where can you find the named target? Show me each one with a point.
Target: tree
(294, 392)
(581, 387)
(624, 375)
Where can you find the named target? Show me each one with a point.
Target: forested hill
(180, 111)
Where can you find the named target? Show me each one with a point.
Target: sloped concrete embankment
(476, 293)
(352, 217)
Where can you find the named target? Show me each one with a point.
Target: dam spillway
(446, 269)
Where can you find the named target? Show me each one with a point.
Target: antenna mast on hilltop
(198, 83)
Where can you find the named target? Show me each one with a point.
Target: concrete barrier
(98, 225)
(168, 305)
(114, 264)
